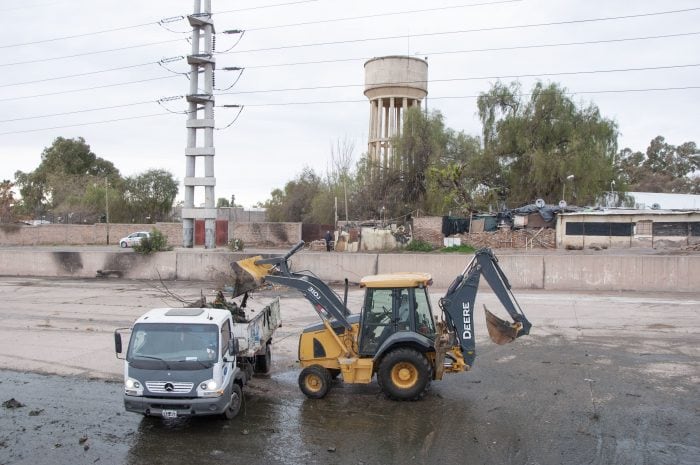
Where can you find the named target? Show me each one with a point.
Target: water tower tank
(392, 85)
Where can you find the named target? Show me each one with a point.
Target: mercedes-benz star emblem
(169, 387)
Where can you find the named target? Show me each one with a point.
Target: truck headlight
(132, 387)
(209, 388)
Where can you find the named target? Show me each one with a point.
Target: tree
(151, 194)
(294, 203)
(222, 202)
(7, 201)
(67, 169)
(663, 168)
(544, 141)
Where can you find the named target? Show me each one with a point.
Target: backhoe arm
(458, 305)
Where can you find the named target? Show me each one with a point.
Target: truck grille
(166, 387)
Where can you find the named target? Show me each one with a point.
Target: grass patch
(458, 249)
(419, 246)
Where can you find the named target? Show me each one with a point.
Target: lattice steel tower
(200, 121)
(392, 85)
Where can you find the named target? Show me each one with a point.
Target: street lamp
(563, 187)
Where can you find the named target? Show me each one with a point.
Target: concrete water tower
(392, 85)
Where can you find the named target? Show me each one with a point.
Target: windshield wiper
(167, 365)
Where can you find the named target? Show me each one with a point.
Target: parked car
(133, 239)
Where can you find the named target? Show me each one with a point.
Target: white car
(133, 239)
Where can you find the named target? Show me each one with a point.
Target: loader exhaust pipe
(500, 331)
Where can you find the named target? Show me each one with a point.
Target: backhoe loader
(395, 335)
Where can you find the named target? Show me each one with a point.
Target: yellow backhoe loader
(395, 335)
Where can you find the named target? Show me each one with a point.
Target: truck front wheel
(315, 381)
(404, 374)
(236, 400)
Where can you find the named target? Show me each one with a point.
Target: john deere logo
(169, 387)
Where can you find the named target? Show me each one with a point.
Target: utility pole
(201, 62)
(107, 207)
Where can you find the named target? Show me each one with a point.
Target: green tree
(150, 195)
(543, 141)
(67, 169)
(223, 202)
(294, 203)
(7, 201)
(663, 168)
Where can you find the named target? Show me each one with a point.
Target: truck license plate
(169, 413)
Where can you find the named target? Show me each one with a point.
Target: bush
(465, 248)
(235, 245)
(419, 246)
(158, 242)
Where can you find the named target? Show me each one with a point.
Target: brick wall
(79, 234)
(428, 229)
(512, 239)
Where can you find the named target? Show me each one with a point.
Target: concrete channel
(604, 378)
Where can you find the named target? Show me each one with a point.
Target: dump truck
(395, 335)
(195, 361)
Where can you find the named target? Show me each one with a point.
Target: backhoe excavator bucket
(248, 275)
(500, 331)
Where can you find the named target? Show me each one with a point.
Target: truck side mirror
(117, 342)
(233, 347)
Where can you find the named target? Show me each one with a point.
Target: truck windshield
(174, 346)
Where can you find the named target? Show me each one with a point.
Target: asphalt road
(603, 379)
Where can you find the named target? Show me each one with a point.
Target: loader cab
(394, 303)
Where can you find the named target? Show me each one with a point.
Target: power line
(292, 89)
(112, 107)
(613, 91)
(50, 94)
(326, 102)
(75, 36)
(274, 5)
(67, 76)
(464, 31)
(378, 15)
(491, 49)
(77, 55)
(472, 78)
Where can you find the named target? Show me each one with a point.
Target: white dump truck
(195, 361)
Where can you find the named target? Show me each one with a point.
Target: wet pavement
(603, 379)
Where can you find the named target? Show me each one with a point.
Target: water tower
(392, 85)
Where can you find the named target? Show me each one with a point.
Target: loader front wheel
(404, 374)
(315, 381)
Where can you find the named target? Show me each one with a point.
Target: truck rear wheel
(263, 362)
(236, 400)
(315, 381)
(404, 374)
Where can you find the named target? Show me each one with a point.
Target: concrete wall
(266, 234)
(561, 272)
(88, 234)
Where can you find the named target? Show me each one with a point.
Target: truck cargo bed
(253, 335)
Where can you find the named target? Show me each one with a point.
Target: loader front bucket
(500, 331)
(248, 275)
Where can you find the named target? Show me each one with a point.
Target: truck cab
(182, 362)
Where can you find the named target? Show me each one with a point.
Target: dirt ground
(602, 379)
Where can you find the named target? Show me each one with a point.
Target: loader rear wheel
(315, 381)
(404, 374)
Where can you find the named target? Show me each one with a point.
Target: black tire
(404, 374)
(122, 244)
(263, 362)
(236, 400)
(315, 381)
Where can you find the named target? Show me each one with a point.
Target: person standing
(328, 239)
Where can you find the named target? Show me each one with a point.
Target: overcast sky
(281, 131)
